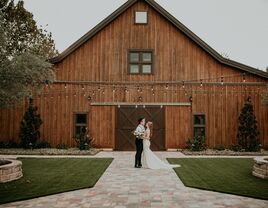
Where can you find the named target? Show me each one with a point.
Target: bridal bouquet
(137, 134)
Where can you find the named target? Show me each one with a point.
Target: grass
(227, 175)
(43, 177)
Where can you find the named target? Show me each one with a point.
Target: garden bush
(8, 144)
(83, 140)
(248, 132)
(29, 126)
(196, 144)
(235, 147)
(219, 147)
(42, 144)
(265, 147)
(62, 146)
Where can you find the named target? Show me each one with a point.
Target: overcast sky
(238, 28)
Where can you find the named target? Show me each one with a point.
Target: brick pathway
(124, 186)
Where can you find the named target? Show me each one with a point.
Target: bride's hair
(150, 126)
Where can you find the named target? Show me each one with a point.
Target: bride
(150, 160)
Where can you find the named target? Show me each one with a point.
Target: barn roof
(173, 21)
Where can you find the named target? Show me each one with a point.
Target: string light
(191, 99)
(166, 86)
(241, 89)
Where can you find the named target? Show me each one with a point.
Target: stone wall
(260, 168)
(11, 171)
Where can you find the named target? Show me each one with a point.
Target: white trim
(173, 150)
(107, 149)
(139, 104)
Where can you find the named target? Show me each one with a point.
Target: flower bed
(49, 151)
(225, 152)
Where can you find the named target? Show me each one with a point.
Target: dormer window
(141, 17)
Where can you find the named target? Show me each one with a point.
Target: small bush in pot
(83, 140)
(197, 143)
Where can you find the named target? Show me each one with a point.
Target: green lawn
(49, 176)
(228, 175)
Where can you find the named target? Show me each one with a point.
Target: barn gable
(174, 22)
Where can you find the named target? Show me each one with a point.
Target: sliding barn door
(127, 120)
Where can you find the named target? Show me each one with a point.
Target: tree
(24, 51)
(248, 133)
(23, 33)
(29, 126)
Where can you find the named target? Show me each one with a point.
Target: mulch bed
(224, 153)
(49, 151)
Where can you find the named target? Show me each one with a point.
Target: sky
(238, 29)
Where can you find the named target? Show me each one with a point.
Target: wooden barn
(142, 62)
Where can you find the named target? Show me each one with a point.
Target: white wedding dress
(149, 159)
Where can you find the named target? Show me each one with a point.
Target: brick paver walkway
(124, 186)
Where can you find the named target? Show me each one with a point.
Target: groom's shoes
(137, 166)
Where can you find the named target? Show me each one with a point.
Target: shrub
(42, 144)
(197, 143)
(8, 144)
(83, 140)
(235, 147)
(248, 133)
(62, 146)
(219, 147)
(29, 126)
(265, 147)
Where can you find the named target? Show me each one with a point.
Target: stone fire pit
(260, 168)
(10, 170)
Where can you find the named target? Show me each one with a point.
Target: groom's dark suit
(139, 145)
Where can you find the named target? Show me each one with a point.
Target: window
(141, 17)
(199, 125)
(140, 62)
(80, 121)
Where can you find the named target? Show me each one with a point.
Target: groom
(139, 132)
